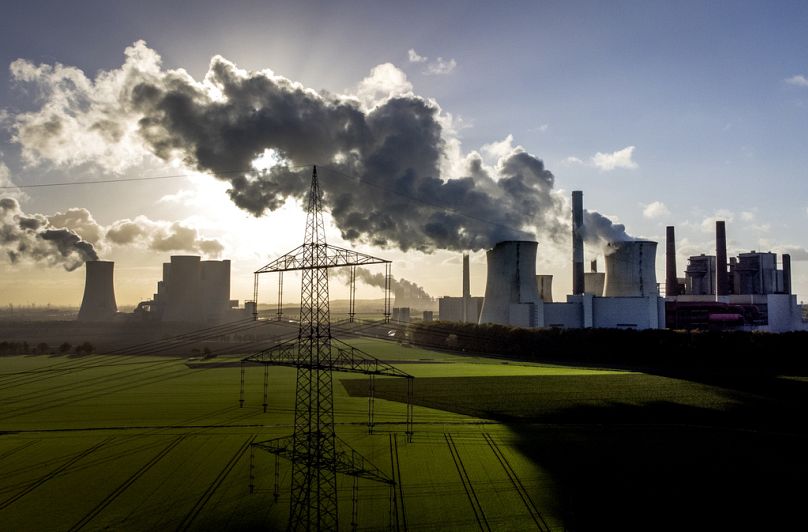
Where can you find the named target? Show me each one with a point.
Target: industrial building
(192, 291)
(748, 292)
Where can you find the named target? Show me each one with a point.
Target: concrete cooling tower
(98, 303)
(511, 292)
(630, 268)
(594, 282)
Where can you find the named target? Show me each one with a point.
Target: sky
(440, 127)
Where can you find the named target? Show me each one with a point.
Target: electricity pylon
(317, 455)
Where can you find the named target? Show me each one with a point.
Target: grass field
(145, 443)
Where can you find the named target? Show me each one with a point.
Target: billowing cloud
(382, 152)
(799, 80)
(82, 120)
(32, 238)
(79, 220)
(655, 209)
(161, 236)
(384, 81)
(618, 159)
(70, 238)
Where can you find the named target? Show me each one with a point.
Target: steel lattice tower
(314, 438)
(314, 449)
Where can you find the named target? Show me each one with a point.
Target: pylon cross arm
(347, 461)
(329, 257)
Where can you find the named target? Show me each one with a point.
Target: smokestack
(671, 282)
(786, 273)
(466, 288)
(721, 277)
(578, 285)
(98, 303)
(511, 292)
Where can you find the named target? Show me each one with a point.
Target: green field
(146, 443)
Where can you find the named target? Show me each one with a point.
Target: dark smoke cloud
(403, 290)
(33, 238)
(382, 159)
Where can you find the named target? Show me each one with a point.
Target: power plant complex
(747, 292)
(192, 290)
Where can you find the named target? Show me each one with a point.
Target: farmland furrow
(467, 486)
(517, 484)
(8, 502)
(203, 500)
(123, 487)
(17, 449)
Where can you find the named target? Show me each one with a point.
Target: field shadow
(646, 452)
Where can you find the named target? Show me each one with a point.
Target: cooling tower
(511, 293)
(545, 284)
(630, 268)
(98, 303)
(578, 285)
(721, 277)
(184, 301)
(594, 282)
(215, 285)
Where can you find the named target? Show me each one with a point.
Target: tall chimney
(578, 285)
(98, 303)
(721, 277)
(786, 273)
(466, 288)
(671, 282)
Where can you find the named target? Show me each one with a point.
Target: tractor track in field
(541, 524)
(203, 500)
(11, 500)
(479, 515)
(114, 494)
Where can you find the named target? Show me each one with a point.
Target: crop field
(149, 443)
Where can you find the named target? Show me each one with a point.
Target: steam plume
(392, 171)
(33, 238)
(405, 292)
(73, 237)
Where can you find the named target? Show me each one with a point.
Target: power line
(327, 167)
(129, 179)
